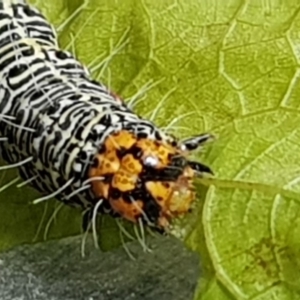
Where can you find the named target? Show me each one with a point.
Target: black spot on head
(142, 135)
(101, 149)
(95, 163)
(166, 184)
(169, 173)
(156, 143)
(136, 152)
(114, 193)
(135, 194)
(107, 178)
(121, 152)
(139, 184)
(152, 209)
(128, 197)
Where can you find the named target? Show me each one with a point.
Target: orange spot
(129, 211)
(123, 139)
(157, 149)
(175, 198)
(159, 190)
(110, 163)
(131, 165)
(180, 203)
(100, 189)
(123, 181)
(183, 194)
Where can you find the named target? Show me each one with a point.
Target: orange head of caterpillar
(145, 179)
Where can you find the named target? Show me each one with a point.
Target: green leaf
(23, 222)
(235, 66)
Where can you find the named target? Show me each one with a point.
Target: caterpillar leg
(195, 142)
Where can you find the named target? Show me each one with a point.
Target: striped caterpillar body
(72, 139)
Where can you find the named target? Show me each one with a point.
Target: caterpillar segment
(73, 139)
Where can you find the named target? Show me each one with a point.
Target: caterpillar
(71, 138)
